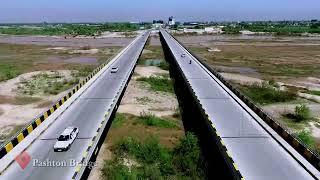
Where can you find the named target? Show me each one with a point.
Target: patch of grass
(187, 156)
(56, 87)
(150, 119)
(153, 161)
(306, 138)
(158, 83)
(119, 119)
(266, 94)
(313, 92)
(156, 52)
(8, 71)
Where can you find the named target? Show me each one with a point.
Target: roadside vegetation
(267, 94)
(301, 112)
(71, 29)
(158, 83)
(299, 118)
(313, 92)
(151, 160)
(306, 137)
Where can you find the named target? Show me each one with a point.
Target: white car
(114, 69)
(66, 139)
(183, 55)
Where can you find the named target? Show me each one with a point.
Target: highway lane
(86, 112)
(257, 150)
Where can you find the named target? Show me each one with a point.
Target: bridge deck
(257, 150)
(87, 112)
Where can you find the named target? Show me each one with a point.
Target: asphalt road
(253, 148)
(86, 112)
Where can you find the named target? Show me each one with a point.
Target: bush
(164, 65)
(302, 112)
(150, 119)
(187, 158)
(266, 94)
(119, 119)
(306, 138)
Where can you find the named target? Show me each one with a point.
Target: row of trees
(279, 29)
(73, 29)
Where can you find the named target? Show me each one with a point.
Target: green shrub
(301, 112)
(314, 92)
(164, 65)
(266, 94)
(119, 119)
(150, 119)
(306, 138)
(187, 158)
(8, 72)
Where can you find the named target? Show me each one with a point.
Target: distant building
(157, 23)
(171, 21)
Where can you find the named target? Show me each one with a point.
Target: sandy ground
(13, 115)
(160, 104)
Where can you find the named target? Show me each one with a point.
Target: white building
(171, 21)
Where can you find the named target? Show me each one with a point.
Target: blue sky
(147, 10)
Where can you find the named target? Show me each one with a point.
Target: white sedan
(66, 139)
